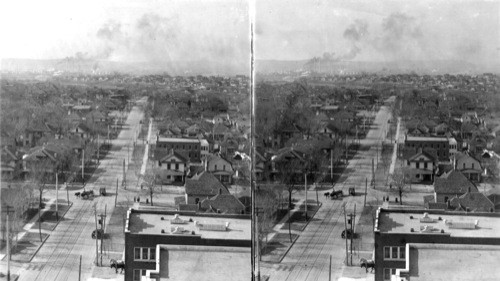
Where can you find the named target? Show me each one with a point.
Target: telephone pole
(8, 211)
(345, 236)
(102, 221)
(96, 238)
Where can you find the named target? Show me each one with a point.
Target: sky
(131, 31)
(378, 30)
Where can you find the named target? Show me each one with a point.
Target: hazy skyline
(155, 32)
(379, 30)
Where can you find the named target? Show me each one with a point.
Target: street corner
(367, 278)
(355, 273)
(106, 273)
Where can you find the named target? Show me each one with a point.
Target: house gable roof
(204, 184)
(453, 182)
(226, 203)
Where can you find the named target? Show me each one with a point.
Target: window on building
(446, 199)
(177, 166)
(463, 165)
(418, 165)
(425, 165)
(215, 167)
(388, 272)
(144, 254)
(394, 253)
(138, 273)
(171, 166)
(159, 164)
(223, 167)
(473, 166)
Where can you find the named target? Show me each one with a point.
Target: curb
(38, 248)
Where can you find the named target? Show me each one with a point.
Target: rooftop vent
(425, 218)
(177, 220)
(462, 224)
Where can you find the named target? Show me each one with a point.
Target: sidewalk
(28, 241)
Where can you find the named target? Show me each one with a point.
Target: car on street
(99, 233)
(349, 234)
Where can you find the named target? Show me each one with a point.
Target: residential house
(201, 186)
(422, 165)
(11, 162)
(172, 165)
(452, 184)
(220, 168)
(469, 166)
(34, 132)
(471, 202)
(223, 204)
(82, 130)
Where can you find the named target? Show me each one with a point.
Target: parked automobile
(349, 234)
(98, 234)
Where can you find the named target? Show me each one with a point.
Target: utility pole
(124, 183)
(80, 269)
(373, 173)
(366, 190)
(8, 211)
(57, 196)
(330, 270)
(103, 217)
(305, 188)
(98, 146)
(83, 165)
(352, 218)
(331, 163)
(96, 238)
(116, 195)
(345, 236)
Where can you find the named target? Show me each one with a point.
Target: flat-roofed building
(180, 262)
(190, 147)
(145, 229)
(395, 228)
(449, 262)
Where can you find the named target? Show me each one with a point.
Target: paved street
(59, 257)
(308, 259)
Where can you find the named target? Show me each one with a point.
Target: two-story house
(469, 166)
(221, 168)
(423, 164)
(172, 165)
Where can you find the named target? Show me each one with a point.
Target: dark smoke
(356, 30)
(401, 37)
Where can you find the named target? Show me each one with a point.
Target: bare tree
(266, 203)
(149, 181)
(40, 171)
(400, 179)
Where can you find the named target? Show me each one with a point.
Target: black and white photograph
(125, 137)
(377, 140)
(283, 140)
